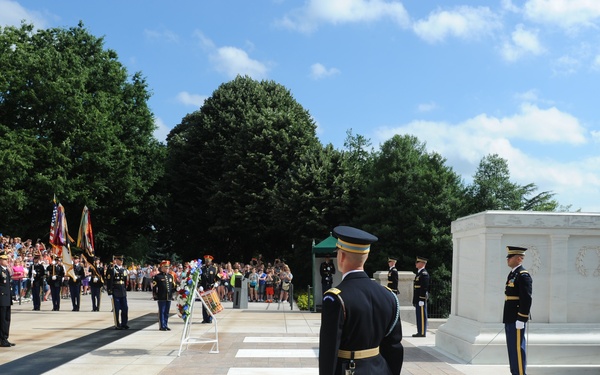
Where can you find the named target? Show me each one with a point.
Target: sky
(516, 78)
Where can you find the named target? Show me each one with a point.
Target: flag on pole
(85, 241)
(61, 241)
(53, 221)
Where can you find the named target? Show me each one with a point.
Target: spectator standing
(18, 273)
(286, 282)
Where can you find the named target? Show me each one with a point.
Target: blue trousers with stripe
(515, 342)
(421, 319)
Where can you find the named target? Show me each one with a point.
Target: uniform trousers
(75, 291)
(163, 313)
(4, 323)
(515, 342)
(421, 312)
(55, 292)
(120, 306)
(36, 290)
(95, 292)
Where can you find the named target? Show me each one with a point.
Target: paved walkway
(264, 339)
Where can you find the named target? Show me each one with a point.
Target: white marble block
(563, 258)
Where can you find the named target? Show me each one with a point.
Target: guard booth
(319, 252)
(240, 293)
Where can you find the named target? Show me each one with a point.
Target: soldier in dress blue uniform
(420, 296)
(517, 303)
(96, 283)
(327, 271)
(163, 286)
(207, 278)
(392, 275)
(54, 277)
(5, 301)
(360, 325)
(116, 278)
(36, 275)
(75, 283)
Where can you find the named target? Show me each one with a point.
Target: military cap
(515, 250)
(421, 259)
(165, 263)
(119, 257)
(208, 257)
(353, 240)
(392, 260)
(3, 255)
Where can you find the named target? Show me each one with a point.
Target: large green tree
(75, 124)
(492, 189)
(241, 172)
(409, 203)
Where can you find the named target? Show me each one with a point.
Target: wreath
(185, 290)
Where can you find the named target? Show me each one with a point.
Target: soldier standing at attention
(96, 284)
(5, 301)
(116, 279)
(163, 286)
(54, 277)
(420, 296)
(360, 321)
(36, 275)
(517, 303)
(392, 275)
(209, 273)
(75, 284)
(327, 271)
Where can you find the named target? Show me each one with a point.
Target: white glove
(519, 324)
(201, 289)
(54, 277)
(33, 273)
(421, 303)
(95, 279)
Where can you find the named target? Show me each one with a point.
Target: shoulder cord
(397, 315)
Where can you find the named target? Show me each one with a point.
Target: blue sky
(469, 78)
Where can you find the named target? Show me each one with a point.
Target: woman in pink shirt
(18, 273)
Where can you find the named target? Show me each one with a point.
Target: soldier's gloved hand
(519, 324)
(34, 273)
(95, 279)
(421, 303)
(54, 277)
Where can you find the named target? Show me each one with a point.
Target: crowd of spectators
(266, 282)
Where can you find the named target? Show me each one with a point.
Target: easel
(187, 328)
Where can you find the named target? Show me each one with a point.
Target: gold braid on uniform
(397, 312)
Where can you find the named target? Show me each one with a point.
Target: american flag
(53, 222)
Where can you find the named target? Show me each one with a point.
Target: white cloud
(427, 107)
(596, 63)
(319, 71)
(509, 6)
(523, 42)
(464, 22)
(195, 100)
(465, 143)
(565, 65)
(13, 13)
(568, 14)
(166, 35)
(161, 131)
(315, 12)
(595, 136)
(232, 61)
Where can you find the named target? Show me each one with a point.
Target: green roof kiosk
(320, 251)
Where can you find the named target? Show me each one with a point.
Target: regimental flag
(85, 241)
(61, 241)
(53, 222)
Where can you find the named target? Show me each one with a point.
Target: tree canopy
(75, 125)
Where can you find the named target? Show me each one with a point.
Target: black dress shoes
(6, 344)
(167, 328)
(162, 329)
(418, 335)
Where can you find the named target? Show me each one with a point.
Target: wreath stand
(186, 338)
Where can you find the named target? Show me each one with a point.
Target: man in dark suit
(5, 301)
(517, 303)
(420, 296)
(75, 283)
(36, 275)
(327, 271)
(360, 321)
(116, 279)
(163, 286)
(96, 283)
(55, 273)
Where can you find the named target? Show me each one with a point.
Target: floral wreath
(185, 290)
